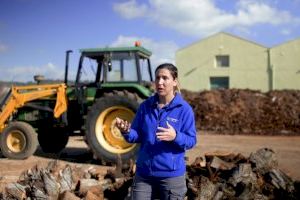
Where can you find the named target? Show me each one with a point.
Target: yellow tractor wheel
(18, 140)
(102, 135)
(108, 135)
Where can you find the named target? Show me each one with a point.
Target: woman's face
(164, 82)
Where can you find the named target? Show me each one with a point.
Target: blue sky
(34, 34)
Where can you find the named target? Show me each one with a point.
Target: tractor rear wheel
(102, 135)
(53, 139)
(18, 140)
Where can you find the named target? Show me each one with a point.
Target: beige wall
(250, 64)
(285, 65)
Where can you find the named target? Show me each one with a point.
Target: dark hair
(169, 66)
(173, 71)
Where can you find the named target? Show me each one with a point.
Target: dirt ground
(287, 149)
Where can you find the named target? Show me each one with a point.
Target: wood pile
(232, 176)
(237, 111)
(216, 176)
(70, 183)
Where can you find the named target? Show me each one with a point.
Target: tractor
(110, 82)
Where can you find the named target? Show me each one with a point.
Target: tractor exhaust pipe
(67, 65)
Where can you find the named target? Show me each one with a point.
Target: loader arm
(20, 95)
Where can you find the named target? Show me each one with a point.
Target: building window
(219, 83)
(222, 61)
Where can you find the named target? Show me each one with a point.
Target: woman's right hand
(123, 125)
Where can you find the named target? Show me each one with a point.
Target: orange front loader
(18, 139)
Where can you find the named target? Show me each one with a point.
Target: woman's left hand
(166, 134)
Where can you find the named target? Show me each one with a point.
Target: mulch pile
(237, 111)
(217, 176)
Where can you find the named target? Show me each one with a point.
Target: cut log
(105, 183)
(199, 162)
(92, 196)
(67, 195)
(219, 195)
(243, 174)
(281, 181)
(264, 160)
(51, 186)
(36, 193)
(16, 191)
(218, 163)
(85, 184)
(207, 189)
(66, 179)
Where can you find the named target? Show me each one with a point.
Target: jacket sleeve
(134, 136)
(186, 137)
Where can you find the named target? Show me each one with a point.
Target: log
(207, 189)
(92, 196)
(36, 193)
(67, 195)
(281, 181)
(218, 195)
(32, 174)
(50, 184)
(85, 184)
(218, 163)
(105, 183)
(16, 191)
(264, 160)
(66, 179)
(243, 174)
(199, 162)
(96, 190)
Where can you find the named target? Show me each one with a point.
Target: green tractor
(110, 82)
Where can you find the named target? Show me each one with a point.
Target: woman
(165, 126)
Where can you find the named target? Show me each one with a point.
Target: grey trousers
(146, 188)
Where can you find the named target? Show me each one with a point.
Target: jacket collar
(176, 101)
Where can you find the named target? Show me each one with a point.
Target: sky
(34, 34)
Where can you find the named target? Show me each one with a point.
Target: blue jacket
(161, 158)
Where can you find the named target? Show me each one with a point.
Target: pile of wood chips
(236, 111)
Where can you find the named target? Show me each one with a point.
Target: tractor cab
(114, 65)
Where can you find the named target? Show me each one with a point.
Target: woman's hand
(166, 134)
(123, 125)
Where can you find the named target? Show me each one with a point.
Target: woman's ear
(175, 82)
(176, 85)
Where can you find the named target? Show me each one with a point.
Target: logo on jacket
(172, 119)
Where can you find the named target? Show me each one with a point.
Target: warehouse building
(227, 61)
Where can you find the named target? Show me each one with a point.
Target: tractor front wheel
(18, 140)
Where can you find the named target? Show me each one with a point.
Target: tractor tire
(102, 136)
(53, 139)
(18, 140)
